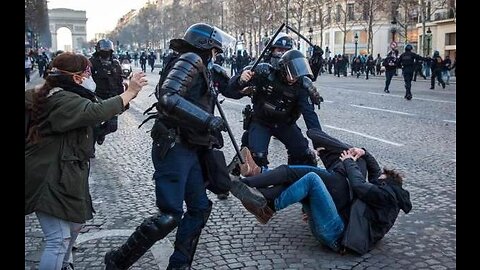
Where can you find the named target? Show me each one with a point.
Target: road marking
(378, 109)
(425, 99)
(451, 121)
(161, 250)
(365, 135)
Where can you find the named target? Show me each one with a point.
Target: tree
(342, 21)
(298, 11)
(372, 13)
(404, 13)
(36, 22)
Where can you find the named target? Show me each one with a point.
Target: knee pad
(308, 159)
(260, 159)
(158, 226)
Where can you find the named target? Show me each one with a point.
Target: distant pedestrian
(151, 61)
(28, 67)
(143, 62)
(407, 61)
(390, 64)
(437, 67)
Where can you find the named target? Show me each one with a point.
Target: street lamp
(310, 32)
(356, 43)
(429, 37)
(394, 31)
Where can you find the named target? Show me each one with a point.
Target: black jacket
(376, 207)
(107, 75)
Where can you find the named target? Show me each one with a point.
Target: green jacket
(57, 167)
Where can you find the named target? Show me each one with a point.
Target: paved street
(417, 137)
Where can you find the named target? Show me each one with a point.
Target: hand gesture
(356, 152)
(346, 154)
(137, 81)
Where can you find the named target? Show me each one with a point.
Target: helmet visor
(223, 39)
(298, 67)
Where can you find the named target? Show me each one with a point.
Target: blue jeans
(325, 222)
(59, 238)
(178, 177)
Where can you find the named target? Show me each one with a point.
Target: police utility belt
(164, 138)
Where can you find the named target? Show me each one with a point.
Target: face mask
(104, 54)
(89, 84)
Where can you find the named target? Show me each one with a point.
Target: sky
(102, 15)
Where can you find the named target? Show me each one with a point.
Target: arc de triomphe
(75, 20)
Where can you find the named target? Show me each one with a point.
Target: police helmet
(283, 41)
(205, 37)
(104, 45)
(408, 47)
(293, 64)
(436, 53)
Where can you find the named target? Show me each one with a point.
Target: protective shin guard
(150, 231)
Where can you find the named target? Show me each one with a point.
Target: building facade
(392, 24)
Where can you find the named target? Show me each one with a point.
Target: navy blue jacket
(275, 102)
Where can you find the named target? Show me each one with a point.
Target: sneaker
(432, 87)
(386, 91)
(443, 85)
(249, 168)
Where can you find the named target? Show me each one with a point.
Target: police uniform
(184, 133)
(276, 108)
(107, 74)
(407, 60)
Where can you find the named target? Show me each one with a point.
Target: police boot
(189, 245)
(150, 231)
(252, 200)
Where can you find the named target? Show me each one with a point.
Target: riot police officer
(185, 129)
(436, 66)
(282, 43)
(107, 74)
(279, 95)
(407, 61)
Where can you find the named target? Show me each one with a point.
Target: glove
(216, 124)
(315, 96)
